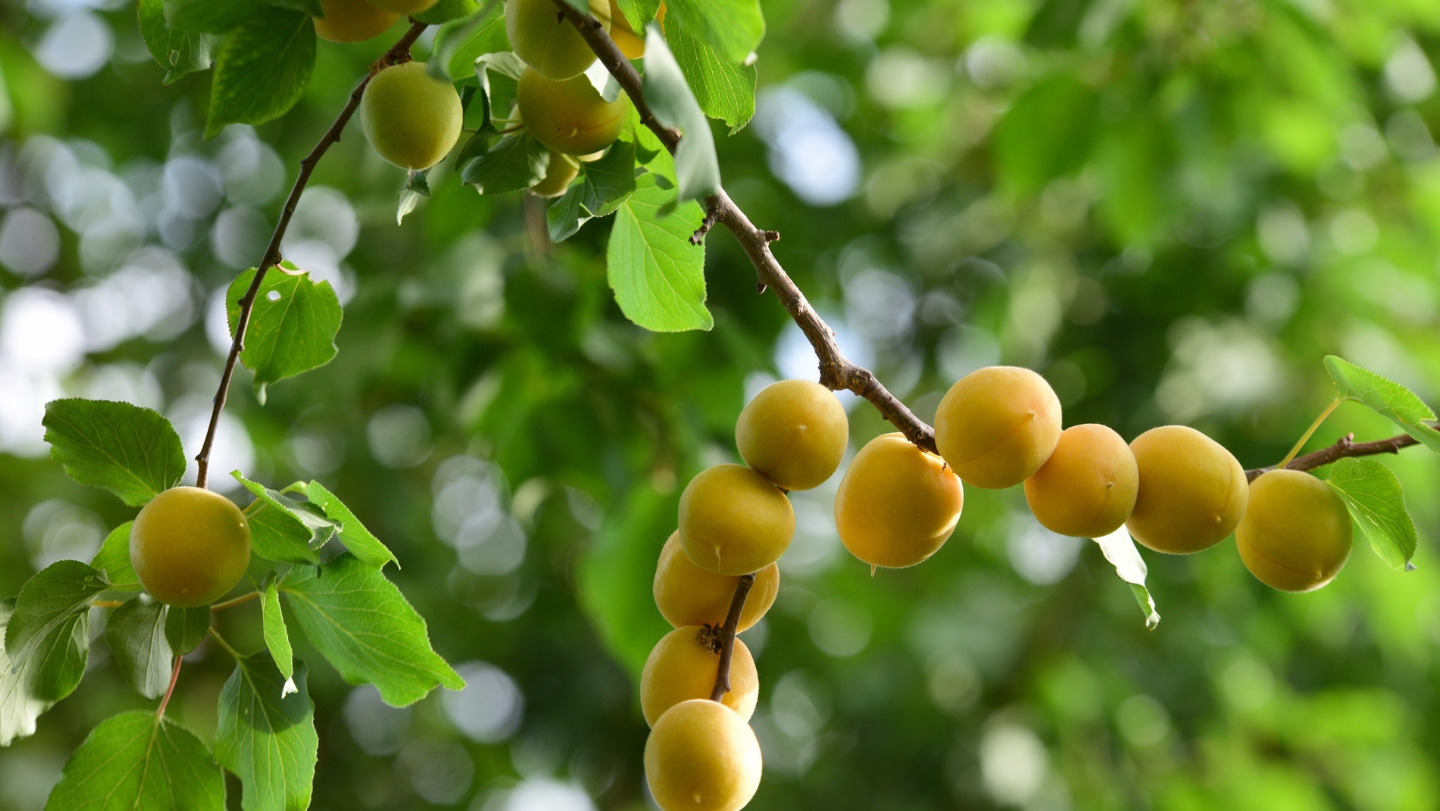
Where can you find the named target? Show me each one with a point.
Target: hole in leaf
(273, 295)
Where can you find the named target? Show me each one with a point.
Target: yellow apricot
(682, 666)
(688, 595)
(630, 41)
(795, 432)
(569, 116)
(411, 118)
(897, 504)
(558, 175)
(406, 7)
(1087, 488)
(546, 41)
(734, 521)
(700, 756)
(189, 546)
(1192, 491)
(997, 426)
(352, 21)
(1296, 534)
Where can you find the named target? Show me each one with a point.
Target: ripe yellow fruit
(630, 41)
(897, 504)
(404, 6)
(352, 21)
(795, 432)
(701, 757)
(546, 41)
(189, 546)
(1296, 534)
(683, 666)
(1192, 491)
(688, 595)
(562, 170)
(1088, 486)
(997, 426)
(409, 117)
(734, 521)
(569, 116)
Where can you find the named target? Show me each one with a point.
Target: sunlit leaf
(1119, 548)
(136, 761)
(131, 451)
(1389, 399)
(292, 326)
(1377, 503)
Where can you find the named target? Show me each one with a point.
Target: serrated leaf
(1390, 399)
(266, 738)
(364, 626)
(724, 90)
(50, 628)
(177, 51)
(292, 326)
(733, 28)
(515, 162)
(446, 10)
(1377, 503)
(288, 532)
(185, 628)
(136, 636)
(1119, 548)
(138, 760)
(697, 170)
(262, 68)
(209, 16)
(277, 638)
(639, 13)
(19, 706)
(458, 44)
(657, 275)
(353, 534)
(565, 216)
(603, 185)
(114, 559)
(133, 452)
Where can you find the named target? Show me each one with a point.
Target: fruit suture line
(399, 52)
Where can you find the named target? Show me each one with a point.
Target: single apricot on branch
(548, 42)
(1192, 491)
(569, 116)
(411, 118)
(701, 756)
(352, 21)
(1087, 488)
(733, 521)
(1296, 533)
(795, 432)
(996, 426)
(189, 546)
(683, 665)
(897, 504)
(689, 595)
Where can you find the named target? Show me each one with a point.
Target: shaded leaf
(292, 326)
(292, 531)
(138, 760)
(515, 162)
(361, 543)
(19, 706)
(267, 738)
(136, 636)
(603, 185)
(50, 627)
(447, 10)
(1377, 503)
(114, 559)
(185, 628)
(262, 68)
(131, 451)
(176, 50)
(210, 16)
(697, 170)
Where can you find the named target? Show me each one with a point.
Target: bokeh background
(1171, 209)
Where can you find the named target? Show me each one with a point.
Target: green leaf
(133, 452)
(658, 276)
(639, 13)
(733, 28)
(209, 16)
(268, 738)
(310, 7)
(1392, 400)
(565, 216)
(516, 162)
(697, 170)
(177, 51)
(604, 184)
(287, 531)
(1377, 503)
(262, 69)
(185, 628)
(137, 761)
(277, 638)
(19, 706)
(362, 623)
(1046, 134)
(114, 559)
(416, 188)
(50, 629)
(614, 576)
(353, 534)
(447, 10)
(292, 326)
(723, 90)
(1119, 548)
(459, 43)
(136, 636)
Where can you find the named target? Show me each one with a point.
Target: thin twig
(169, 691)
(725, 637)
(1346, 447)
(836, 371)
(399, 52)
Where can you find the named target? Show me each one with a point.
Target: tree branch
(1344, 448)
(399, 52)
(836, 371)
(725, 636)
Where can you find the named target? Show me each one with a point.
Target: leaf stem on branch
(1309, 432)
(1344, 448)
(399, 52)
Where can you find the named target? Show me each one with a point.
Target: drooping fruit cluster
(189, 546)
(735, 520)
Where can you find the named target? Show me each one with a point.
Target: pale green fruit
(547, 41)
(569, 116)
(352, 21)
(411, 118)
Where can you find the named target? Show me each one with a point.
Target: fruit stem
(727, 636)
(1310, 432)
(108, 603)
(169, 691)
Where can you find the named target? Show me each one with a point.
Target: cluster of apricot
(735, 520)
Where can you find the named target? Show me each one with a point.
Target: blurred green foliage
(1171, 209)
